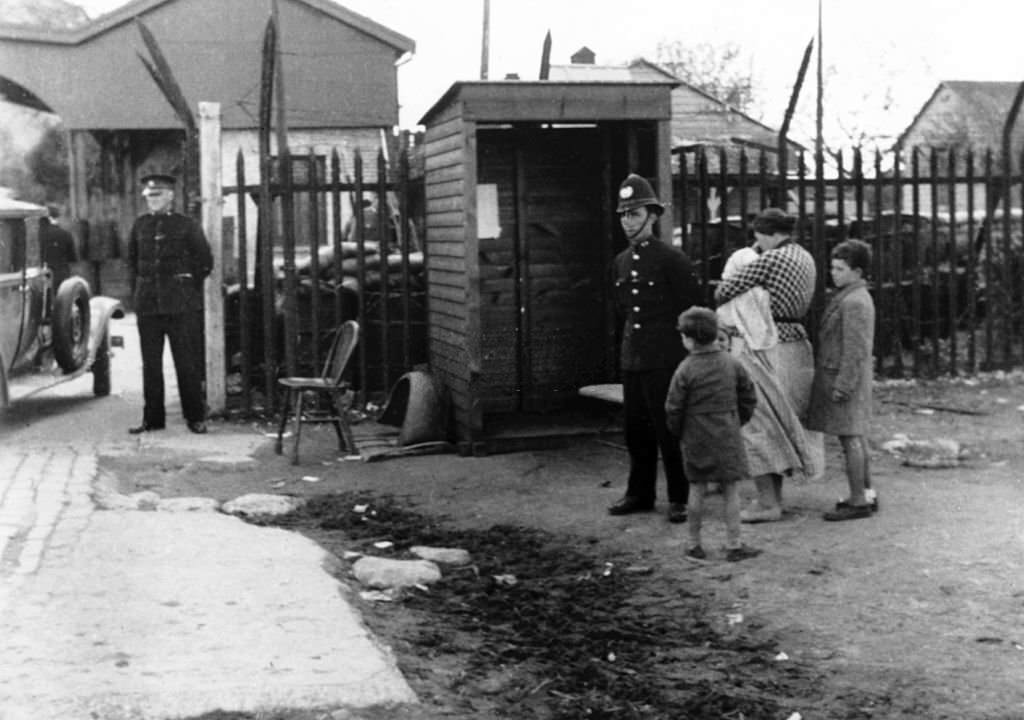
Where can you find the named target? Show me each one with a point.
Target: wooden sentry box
(521, 181)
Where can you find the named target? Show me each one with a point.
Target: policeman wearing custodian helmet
(654, 283)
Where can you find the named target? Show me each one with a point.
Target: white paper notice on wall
(487, 225)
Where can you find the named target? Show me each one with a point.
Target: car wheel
(101, 368)
(70, 324)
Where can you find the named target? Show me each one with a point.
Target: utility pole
(485, 45)
(818, 245)
(819, 119)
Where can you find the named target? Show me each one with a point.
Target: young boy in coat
(843, 374)
(709, 399)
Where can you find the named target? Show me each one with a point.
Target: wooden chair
(330, 385)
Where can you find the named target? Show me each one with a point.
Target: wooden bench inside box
(608, 392)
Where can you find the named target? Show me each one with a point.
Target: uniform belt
(788, 320)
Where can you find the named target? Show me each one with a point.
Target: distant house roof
(973, 111)
(698, 118)
(339, 66)
(639, 70)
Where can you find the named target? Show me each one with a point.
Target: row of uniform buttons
(636, 291)
(636, 308)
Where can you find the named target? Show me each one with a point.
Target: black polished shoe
(677, 513)
(198, 427)
(144, 428)
(849, 512)
(870, 496)
(629, 505)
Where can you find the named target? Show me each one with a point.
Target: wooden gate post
(213, 199)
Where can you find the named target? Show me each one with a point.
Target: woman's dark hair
(855, 253)
(773, 220)
(699, 324)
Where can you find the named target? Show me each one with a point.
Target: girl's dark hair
(855, 253)
(773, 220)
(700, 324)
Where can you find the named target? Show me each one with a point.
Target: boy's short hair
(699, 324)
(855, 253)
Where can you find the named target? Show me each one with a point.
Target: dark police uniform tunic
(169, 258)
(654, 283)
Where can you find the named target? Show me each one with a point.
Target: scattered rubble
(260, 504)
(443, 556)
(106, 499)
(188, 504)
(935, 453)
(380, 573)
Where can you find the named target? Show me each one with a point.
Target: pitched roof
(340, 70)
(127, 13)
(702, 128)
(984, 98)
(985, 104)
(48, 13)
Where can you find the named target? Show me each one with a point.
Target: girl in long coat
(841, 393)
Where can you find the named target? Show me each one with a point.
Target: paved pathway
(44, 504)
(120, 615)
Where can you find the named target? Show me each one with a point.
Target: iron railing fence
(945, 227)
(327, 264)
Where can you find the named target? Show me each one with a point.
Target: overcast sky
(871, 46)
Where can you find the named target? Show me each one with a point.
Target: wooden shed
(521, 181)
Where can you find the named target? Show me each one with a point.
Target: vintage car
(50, 333)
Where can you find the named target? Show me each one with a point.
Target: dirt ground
(917, 612)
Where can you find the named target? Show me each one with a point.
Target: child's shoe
(870, 495)
(743, 552)
(696, 553)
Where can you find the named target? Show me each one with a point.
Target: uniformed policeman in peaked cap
(169, 259)
(654, 283)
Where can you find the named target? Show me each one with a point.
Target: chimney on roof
(583, 56)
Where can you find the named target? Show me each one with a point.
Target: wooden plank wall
(446, 188)
(542, 282)
(564, 267)
(500, 275)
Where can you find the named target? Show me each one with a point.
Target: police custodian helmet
(636, 192)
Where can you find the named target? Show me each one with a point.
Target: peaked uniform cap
(156, 182)
(636, 192)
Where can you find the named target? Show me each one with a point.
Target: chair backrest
(344, 343)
